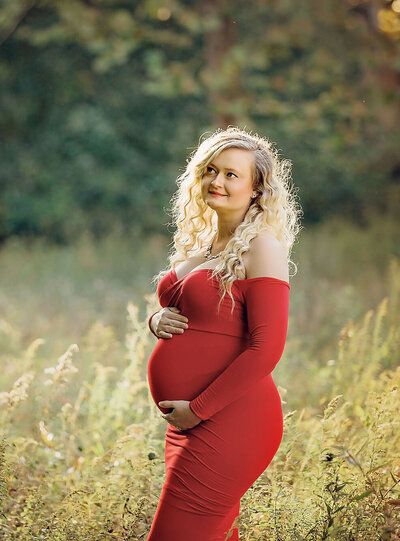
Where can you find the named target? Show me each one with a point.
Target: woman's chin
(216, 202)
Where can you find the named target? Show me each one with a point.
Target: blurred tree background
(101, 102)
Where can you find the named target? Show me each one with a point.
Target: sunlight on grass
(82, 443)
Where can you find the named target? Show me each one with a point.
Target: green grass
(81, 454)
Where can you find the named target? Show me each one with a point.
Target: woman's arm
(267, 306)
(267, 302)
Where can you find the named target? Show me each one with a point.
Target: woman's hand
(168, 321)
(182, 417)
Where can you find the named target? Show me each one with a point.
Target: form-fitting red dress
(222, 364)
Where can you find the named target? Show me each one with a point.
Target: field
(82, 442)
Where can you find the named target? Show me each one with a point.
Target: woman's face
(229, 174)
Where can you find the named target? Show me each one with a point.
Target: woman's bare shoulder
(266, 257)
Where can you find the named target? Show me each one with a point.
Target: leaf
(339, 508)
(361, 496)
(394, 478)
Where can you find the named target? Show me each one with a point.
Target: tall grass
(82, 444)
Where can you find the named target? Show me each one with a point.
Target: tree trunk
(223, 88)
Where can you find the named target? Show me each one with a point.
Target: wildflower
(63, 367)
(19, 391)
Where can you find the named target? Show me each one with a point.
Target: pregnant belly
(179, 368)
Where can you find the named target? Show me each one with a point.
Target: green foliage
(101, 102)
(88, 165)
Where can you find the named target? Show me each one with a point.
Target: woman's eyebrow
(227, 168)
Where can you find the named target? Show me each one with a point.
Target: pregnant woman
(221, 331)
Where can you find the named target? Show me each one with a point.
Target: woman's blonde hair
(275, 208)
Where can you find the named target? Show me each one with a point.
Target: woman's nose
(217, 181)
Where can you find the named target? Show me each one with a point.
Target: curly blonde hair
(275, 208)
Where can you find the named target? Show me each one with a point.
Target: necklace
(208, 255)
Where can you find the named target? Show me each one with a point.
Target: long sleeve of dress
(149, 322)
(267, 308)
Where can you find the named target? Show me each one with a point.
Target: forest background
(101, 102)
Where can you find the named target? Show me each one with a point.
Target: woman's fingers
(171, 323)
(174, 312)
(173, 328)
(168, 330)
(167, 416)
(177, 319)
(163, 334)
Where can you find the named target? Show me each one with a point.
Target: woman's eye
(212, 170)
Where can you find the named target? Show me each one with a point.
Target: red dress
(222, 364)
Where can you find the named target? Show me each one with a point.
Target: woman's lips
(216, 194)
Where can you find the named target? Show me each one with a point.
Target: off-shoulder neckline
(236, 280)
